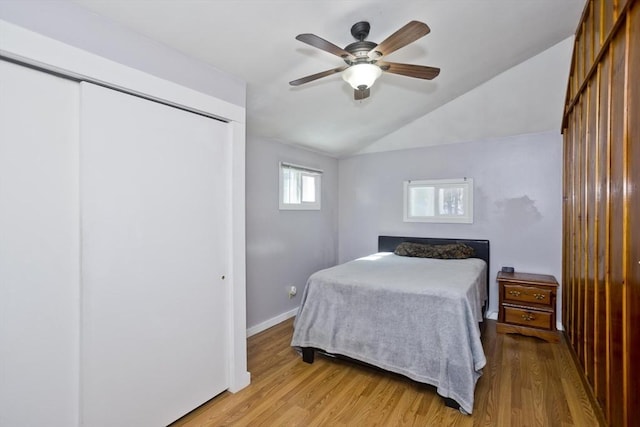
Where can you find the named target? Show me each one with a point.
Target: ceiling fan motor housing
(360, 50)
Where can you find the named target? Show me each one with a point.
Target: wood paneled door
(601, 224)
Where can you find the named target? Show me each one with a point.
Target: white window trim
(439, 183)
(302, 206)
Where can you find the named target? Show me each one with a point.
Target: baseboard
(271, 322)
(493, 315)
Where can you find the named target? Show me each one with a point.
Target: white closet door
(155, 203)
(39, 248)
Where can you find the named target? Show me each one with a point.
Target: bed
(418, 317)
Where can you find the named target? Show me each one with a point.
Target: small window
(300, 187)
(441, 200)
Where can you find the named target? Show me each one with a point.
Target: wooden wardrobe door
(603, 324)
(155, 224)
(633, 218)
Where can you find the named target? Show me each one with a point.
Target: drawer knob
(539, 296)
(515, 293)
(528, 317)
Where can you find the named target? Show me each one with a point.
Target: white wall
(517, 199)
(75, 26)
(284, 247)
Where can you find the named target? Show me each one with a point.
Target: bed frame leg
(308, 354)
(450, 403)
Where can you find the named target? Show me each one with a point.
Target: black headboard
(481, 247)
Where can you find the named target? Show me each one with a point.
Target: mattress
(414, 316)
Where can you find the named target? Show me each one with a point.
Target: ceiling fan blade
(317, 76)
(405, 35)
(320, 43)
(359, 94)
(410, 70)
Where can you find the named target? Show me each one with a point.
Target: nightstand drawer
(527, 305)
(528, 294)
(531, 318)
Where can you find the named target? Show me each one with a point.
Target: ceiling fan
(363, 57)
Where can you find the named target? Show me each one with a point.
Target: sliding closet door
(154, 217)
(39, 248)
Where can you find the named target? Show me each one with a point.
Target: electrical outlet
(292, 291)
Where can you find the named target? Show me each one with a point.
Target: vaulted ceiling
(474, 42)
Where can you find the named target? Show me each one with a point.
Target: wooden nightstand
(528, 305)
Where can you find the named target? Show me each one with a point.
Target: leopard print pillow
(448, 251)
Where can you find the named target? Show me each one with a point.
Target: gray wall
(285, 247)
(517, 199)
(75, 26)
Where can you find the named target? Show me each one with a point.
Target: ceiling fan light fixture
(361, 76)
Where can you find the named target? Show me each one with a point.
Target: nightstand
(527, 305)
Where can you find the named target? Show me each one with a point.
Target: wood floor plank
(526, 382)
(577, 398)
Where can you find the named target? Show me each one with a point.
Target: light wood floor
(527, 382)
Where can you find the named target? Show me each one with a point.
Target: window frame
(305, 172)
(465, 183)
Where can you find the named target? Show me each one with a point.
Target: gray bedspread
(414, 316)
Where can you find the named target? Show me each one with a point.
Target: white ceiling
(472, 41)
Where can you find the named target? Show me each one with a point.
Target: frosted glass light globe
(361, 76)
